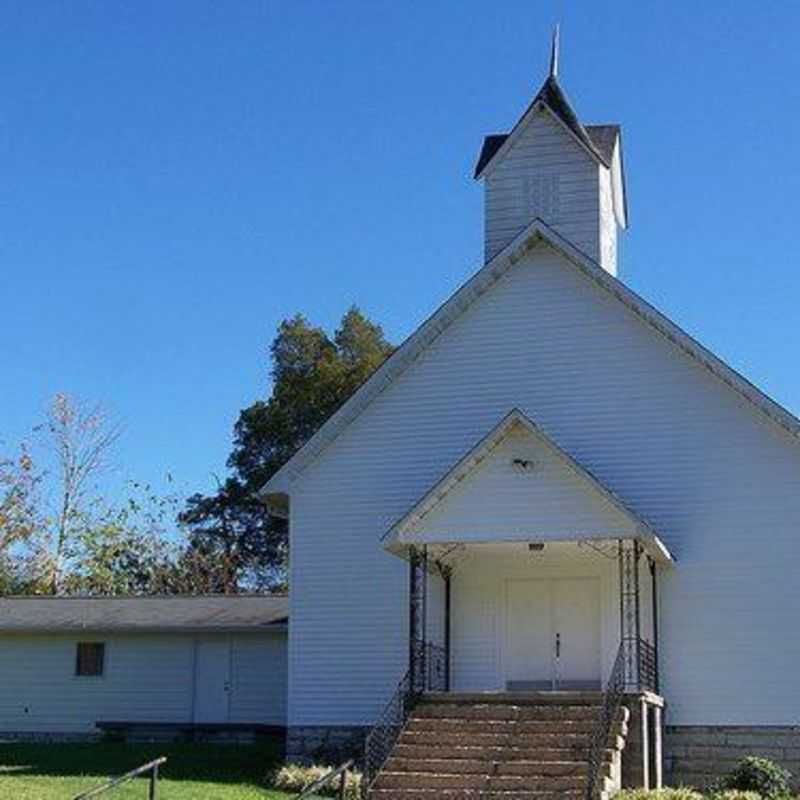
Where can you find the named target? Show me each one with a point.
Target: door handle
(558, 645)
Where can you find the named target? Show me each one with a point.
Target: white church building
(548, 506)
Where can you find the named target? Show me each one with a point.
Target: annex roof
(275, 491)
(152, 614)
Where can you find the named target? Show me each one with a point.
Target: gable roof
(603, 136)
(402, 533)
(152, 614)
(552, 98)
(533, 235)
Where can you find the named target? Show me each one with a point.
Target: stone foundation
(138, 735)
(48, 738)
(696, 755)
(325, 744)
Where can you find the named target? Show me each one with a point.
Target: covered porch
(528, 575)
(535, 616)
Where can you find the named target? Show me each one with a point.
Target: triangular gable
(276, 490)
(517, 484)
(549, 98)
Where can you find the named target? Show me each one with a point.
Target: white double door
(212, 680)
(552, 636)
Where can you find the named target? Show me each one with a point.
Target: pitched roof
(491, 144)
(402, 532)
(537, 231)
(165, 613)
(603, 136)
(552, 97)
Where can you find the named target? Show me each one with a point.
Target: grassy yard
(60, 771)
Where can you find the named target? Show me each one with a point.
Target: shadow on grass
(243, 764)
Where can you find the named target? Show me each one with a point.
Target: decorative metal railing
(648, 667)
(635, 670)
(609, 710)
(429, 667)
(427, 673)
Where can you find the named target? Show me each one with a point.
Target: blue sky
(178, 177)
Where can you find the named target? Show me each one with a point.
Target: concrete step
(449, 725)
(505, 739)
(489, 753)
(505, 783)
(515, 698)
(467, 766)
(472, 794)
(504, 712)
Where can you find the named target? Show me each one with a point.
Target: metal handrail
(340, 771)
(635, 670)
(151, 767)
(428, 672)
(612, 700)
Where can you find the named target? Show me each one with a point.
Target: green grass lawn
(60, 771)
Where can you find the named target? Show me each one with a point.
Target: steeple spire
(554, 53)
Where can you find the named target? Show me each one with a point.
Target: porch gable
(517, 484)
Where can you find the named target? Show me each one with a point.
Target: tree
(312, 375)
(81, 439)
(19, 519)
(127, 549)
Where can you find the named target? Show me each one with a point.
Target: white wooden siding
(259, 683)
(146, 678)
(719, 481)
(607, 223)
(549, 503)
(544, 148)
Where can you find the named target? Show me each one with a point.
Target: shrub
(297, 778)
(760, 775)
(735, 794)
(679, 793)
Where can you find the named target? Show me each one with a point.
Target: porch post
(447, 596)
(658, 748)
(643, 706)
(654, 593)
(417, 617)
(630, 611)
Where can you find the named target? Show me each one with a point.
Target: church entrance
(552, 634)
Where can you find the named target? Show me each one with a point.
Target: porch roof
(485, 498)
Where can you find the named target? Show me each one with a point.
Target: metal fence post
(154, 783)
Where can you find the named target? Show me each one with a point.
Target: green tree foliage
(60, 535)
(312, 375)
(19, 520)
(130, 549)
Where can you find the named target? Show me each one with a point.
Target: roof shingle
(132, 614)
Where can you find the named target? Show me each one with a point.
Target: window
(90, 658)
(543, 197)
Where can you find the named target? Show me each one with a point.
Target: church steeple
(553, 167)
